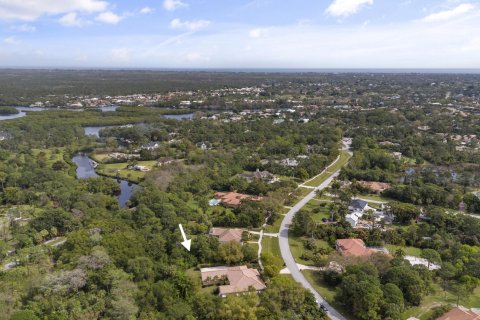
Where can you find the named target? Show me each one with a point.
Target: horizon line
(258, 69)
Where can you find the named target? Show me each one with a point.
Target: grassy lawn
(437, 298)
(409, 251)
(297, 248)
(327, 292)
(253, 245)
(270, 244)
(275, 227)
(119, 170)
(374, 197)
(344, 157)
(99, 157)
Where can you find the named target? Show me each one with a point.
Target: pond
(186, 116)
(95, 131)
(86, 169)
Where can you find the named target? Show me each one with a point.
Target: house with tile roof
(460, 313)
(233, 199)
(232, 280)
(356, 248)
(226, 234)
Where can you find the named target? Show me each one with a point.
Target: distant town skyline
(240, 34)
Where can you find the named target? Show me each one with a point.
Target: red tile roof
(233, 199)
(353, 247)
(460, 314)
(226, 235)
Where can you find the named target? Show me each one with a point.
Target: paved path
(292, 266)
(287, 254)
(264, 233)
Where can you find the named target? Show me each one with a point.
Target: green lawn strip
(275, 228)
(270, 244)
(327, 292)
(343, 159)
(297, 249)
(409, 251)
(373, 197)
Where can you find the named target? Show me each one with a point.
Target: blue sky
(240, 34)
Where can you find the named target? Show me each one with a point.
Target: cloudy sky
(240, 34)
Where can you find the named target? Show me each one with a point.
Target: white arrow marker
(186, 243)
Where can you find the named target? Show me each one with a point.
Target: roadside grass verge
(342, 160)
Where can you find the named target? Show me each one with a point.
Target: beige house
(232, 280)
(226, 234)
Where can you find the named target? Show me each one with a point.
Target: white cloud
(345, 8)
(258, 32)
(172, 5)
(72, 20)
(24, 28)
(146, 10)
(108, 17)
(120, 55)
(195, 57)
(11, 40)
(449, 14)
(30, 10)
(192, 25)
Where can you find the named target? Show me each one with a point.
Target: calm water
(95, 131)
(186, 116)
(22, 110)
(85, 169)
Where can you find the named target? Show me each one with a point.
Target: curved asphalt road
(287, 254)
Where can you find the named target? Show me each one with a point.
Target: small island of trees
(5, 111)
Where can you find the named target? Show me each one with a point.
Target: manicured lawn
(119, 170)
(409, 251)
(344, 157)
(275, 227)
(327, 292)
(270, 244)
(373, 197)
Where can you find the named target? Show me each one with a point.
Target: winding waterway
(86, 169)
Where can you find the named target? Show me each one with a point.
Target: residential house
(139, 168)
(289, 162)
(151, 145)
(358, 205)
(356, 248)
(233, 199)
(204, 145)
(357, 208)
(227, 234)
(164, 161)
(232, 280)
(460, 313)
(259, 175)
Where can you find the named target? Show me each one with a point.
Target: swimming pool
(214, 202)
